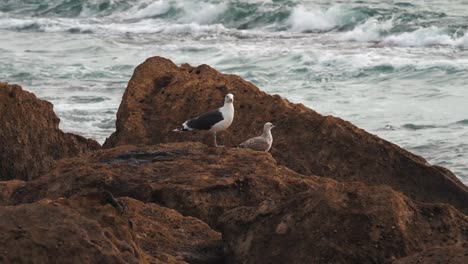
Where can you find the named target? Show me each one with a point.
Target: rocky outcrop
(30, 138)
(351, 223)
(89, 229)
(161, 95)
(192, 178)
(160, 200)
(267, 212)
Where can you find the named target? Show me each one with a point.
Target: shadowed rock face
(192, 178)
(351, 223)
(87, 229)
(30, 138)
(161, 96)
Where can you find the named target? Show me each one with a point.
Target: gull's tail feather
(183, 128)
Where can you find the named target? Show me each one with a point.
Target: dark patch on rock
(142, 157)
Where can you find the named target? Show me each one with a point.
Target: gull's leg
(214, 140)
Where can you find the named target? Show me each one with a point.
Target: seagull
(262, 142)
(213, 121)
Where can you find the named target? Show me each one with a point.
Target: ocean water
(398, 69)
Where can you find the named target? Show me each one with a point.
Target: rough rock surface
(7, 188)
(351, 223)
(438, 255)
(165, 234)
(88, 229)
(160, 96)
(268, 212)
(30, 138)
(192, 178)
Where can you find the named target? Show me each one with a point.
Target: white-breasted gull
(213, 121)
(262, 142)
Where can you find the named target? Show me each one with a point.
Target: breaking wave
(345, 22)
(383, 32)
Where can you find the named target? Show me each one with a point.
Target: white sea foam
(370, 31)
(148, 9)
(192, 28)
(425, 37)
(147, 27)
(186, 12)
(11, 23)
(96, 26)
(379, 31)
(201, 13)
(203, 17)
(304, 20)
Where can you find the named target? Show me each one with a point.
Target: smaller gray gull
(213, 121)
(262, 142)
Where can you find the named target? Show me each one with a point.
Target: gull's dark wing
(205, 121)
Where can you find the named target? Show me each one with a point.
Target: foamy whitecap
(192, 28)
(182, 11)
(370, 31)
(13, 23)
(148, 9)
(380, 31)
(425, 37)
(189, 17)
(96, 26)
(201, 13)
(303, 20)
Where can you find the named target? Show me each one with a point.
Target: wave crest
(247, 18)
(303, 20)
(431, 36)
(383, 32)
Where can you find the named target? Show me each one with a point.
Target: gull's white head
(229, 98)
(268, 126)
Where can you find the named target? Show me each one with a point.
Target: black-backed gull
(213, 121)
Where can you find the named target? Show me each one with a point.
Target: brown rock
(351, 223)
(164, 233)
(439, 255)
(86, 229)
(64, 231)
(270, 213)
(7, 188)
(30, 138)
(160, 96)
(192, 178)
